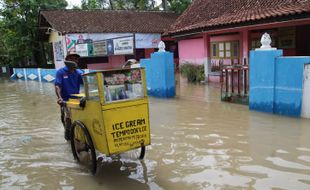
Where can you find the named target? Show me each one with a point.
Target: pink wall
(194, 50)
(191, 50)
(115, 61)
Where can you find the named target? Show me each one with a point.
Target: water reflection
(198, 142)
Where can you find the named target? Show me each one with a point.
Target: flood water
(198, 143)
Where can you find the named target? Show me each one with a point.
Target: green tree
(119, 4)
(19, 21)
(92, 4)
(178, 6)
(141, 4)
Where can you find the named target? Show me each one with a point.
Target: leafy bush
(193, 72)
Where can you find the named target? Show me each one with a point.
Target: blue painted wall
(19, 71)
(289, 85)
(160, 79)
(47, 75)
(276, 82)
(262, 79)
(34, 72)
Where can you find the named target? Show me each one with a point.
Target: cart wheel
(82, 146)
(142, 153)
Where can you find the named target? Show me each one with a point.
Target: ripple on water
(168, 161)
(287, 164)
(192, 137)
(196, 124)
(282, 151)
(276, 178)
(304, 158)
(303, 149)
(218, 142)
(213, 179)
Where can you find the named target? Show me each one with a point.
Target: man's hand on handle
(60, 101)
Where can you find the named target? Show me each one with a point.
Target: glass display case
(123, 85)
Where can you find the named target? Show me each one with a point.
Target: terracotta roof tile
(108, 21)
(202, 14)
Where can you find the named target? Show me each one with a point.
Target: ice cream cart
(112, 117)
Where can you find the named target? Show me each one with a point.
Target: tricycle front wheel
(82, 146)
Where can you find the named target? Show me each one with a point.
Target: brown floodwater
(198, 142)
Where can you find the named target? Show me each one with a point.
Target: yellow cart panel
(127, 128)
(91, 116)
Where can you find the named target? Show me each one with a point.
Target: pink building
(225, 31)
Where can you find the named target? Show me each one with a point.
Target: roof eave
(271, 20)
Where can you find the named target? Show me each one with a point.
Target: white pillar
(39, 74)
(25, 75)
(207, 55)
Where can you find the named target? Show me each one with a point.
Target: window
(214, 48)
(221, 50)
(287, 38)
(225, 50)
(235, 49)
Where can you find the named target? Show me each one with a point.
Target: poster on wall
(101, 45)
(3, 69)
(59, 52)
(110, 47)
(147, 40)
(123, 46)
(82, 49)
(100, 48)
(72, 40)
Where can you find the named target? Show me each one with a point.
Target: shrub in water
(193, 72)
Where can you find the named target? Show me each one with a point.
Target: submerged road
(198, 143)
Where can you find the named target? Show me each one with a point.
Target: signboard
(90, 49)
(81, 49)
(107, 44)
(110, 47)
(147, 40)
(127, 128)
(3, 69)
(100, 48)
(123, 46)
(59, 53)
